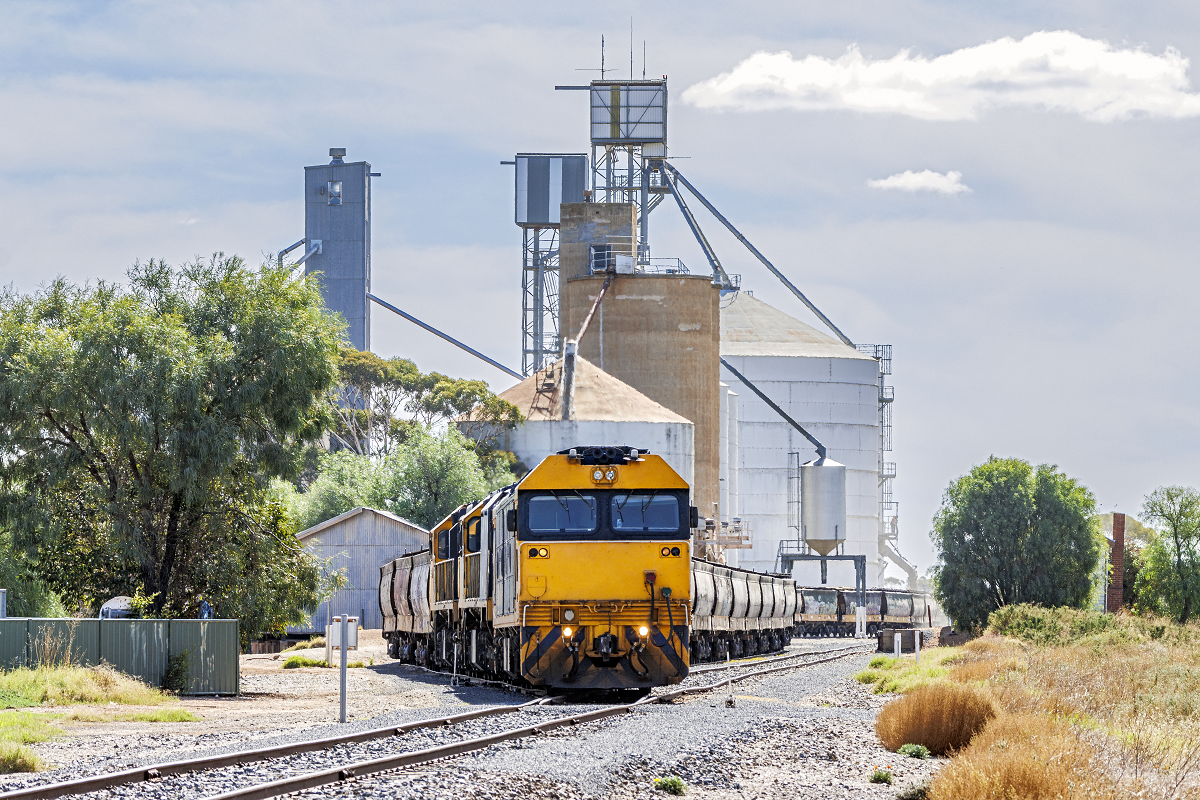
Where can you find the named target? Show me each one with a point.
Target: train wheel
(393, 649)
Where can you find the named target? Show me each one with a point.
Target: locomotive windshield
(603, 515)
(649, 512)
(564, 513)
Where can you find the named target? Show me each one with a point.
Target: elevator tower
(337, 225)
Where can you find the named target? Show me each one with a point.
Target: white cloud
(924, 181)
(1050, 70)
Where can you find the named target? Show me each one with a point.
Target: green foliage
(309, 644)
(1169, 577)
(67, 685)
(672, 784)
(914, 751)
(178, 673)
(1007, 534)
(881, 775)
(140, 425)
(1070, 626)
(1135, 559)
(374, 396)
(296, 662)
(27, 595)
(422, 481)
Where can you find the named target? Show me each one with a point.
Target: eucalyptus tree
(1008, 533)
(141, 423)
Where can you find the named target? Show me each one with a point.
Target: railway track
(358, 770)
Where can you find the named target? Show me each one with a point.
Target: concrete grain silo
(655, 331)
(832, 390)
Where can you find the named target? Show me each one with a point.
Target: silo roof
(750, 327)
(598, 396)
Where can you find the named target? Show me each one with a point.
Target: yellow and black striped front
(605, 578)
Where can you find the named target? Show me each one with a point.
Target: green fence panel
(137, 647)
(12, 642)
(213, 649)
(64, 641)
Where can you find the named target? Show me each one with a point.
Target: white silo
(829, 388)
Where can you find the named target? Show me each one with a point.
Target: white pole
(917, 644)
(896, 643)
(345, 626)
(860, 623)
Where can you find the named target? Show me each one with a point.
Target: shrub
(1049, 626)
(295, 662)
(671, 785)
(1020, 755)
(881, 775)
(914, 751)
(178, 673)
(16, 758)
(941, 716)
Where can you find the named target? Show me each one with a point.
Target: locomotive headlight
(611, 475)
(643, 631)
(566, 633)
(598, 475)
(543, 552)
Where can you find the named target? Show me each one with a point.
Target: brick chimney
(1116, 558)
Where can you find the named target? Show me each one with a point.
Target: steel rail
(109, 780)
(376, 766)
(744, 662)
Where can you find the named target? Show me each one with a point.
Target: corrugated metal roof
(598, 396)
(750, 327)
(354, 512)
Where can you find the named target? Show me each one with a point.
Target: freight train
(581, 577)
(826, 611)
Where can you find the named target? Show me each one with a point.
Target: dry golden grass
(17, 758)
(1112, 704)
(67, 685)
(942, 716)
(1030, 756)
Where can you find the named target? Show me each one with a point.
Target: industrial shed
(359, 542)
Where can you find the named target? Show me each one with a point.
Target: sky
(1005, 193)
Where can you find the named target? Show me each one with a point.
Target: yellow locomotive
(576, 578)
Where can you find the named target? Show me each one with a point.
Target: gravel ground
(804, 733)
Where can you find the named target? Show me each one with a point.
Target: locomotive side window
(573, 513)
(443, 544)
(648, 512)
(473, 536)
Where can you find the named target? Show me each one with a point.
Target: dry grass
(19, 728)
(67, 685)
(941, 716)
(1113, 704)
(1023, 756)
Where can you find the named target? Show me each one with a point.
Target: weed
(914, 751)
(311, 644)
(913, 791)
(897, 675)
(178, 673)
(21, 727)
(16, 758)
(161, 715)
(295, 662)
(356, 665)
(942, 716)
(671, 785)
(881, 775)
(66, 685)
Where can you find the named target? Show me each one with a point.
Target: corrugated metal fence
(137, 647)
